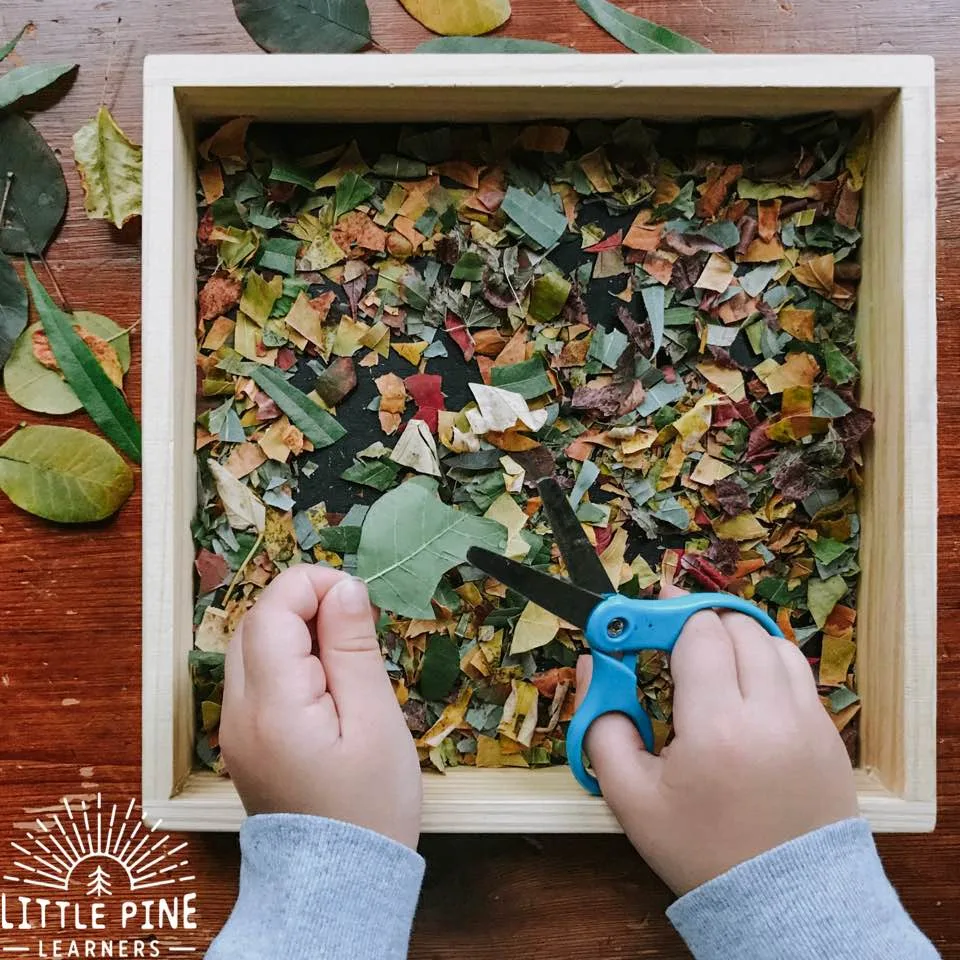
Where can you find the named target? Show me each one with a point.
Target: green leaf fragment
(607, 346)
(548, 296)
(528, 378)
(469, 267)
(100, 398)
(538, 218)
(13, 308)
(317, 425)
(440, 669)
(827, 550)
(839, 368)
(379, 474)
(653, 300)
(823, 596)
(351, 191)
(63, 474)
(23, 81)
(410, 538)
(641, 36)
(11, 44)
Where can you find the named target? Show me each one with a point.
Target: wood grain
(69, 599)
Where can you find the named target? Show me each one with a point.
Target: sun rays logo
(92, 869)
(110, 842)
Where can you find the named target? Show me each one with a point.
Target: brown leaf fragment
(768, 219)
(244, 459)
(212, 569)
(218, 295)
(643, 235)
(104, 353)
(338, 380)
(355, 232)
(714, 192)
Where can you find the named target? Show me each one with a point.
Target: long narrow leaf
(10, 45)
(101, 399)
(641, 36)
(317, 425)
(23, 81)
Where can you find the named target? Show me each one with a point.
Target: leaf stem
(240, 569)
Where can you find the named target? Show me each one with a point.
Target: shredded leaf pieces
(400, 330)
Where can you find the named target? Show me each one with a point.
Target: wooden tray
(896, 324)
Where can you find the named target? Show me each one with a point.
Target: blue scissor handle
(618, 629)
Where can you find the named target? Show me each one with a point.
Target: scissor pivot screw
(616, 627)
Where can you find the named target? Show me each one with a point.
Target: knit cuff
(824, 894)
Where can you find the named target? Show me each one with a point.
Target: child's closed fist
(755, 760)
(310, 723)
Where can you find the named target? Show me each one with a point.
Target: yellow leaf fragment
(461, 18)
(535, 628)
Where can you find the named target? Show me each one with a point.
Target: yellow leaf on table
(220, 331)
(835, 659)
(672, 466)
(377, 338)
(392, 203)
(248, 342)
(506, 511)
(227, 142)
(763, 251)
(489, 754)
(111, 170)
(259, 296)
(597, 168)
(817, 273)
(535, 628)
(459, 18)
(695, 422)
(281, 439)
(520, 712)
(745, 526)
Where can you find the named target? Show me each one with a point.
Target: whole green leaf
(379, 474)
(440, 669)
(38, 192)
(641, 36)
(100, 398)
(13, 308)
(653, 300)
(306, 26)
(111, 168)
(63, 474)
(490, 45)
(317, 425)
(410, 538)
(528, 378)
(351, 191)
(10, 45)
(35, 387)
(538, 219)
(24, 81)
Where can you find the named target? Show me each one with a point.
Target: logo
(92, 880)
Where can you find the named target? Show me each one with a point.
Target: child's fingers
(627, 773)
(799, 674)
(347, 639)
(276, 641)
(704, 669)
(761, 671)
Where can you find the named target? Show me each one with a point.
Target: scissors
(617, 628)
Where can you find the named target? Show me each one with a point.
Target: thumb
(628, 775)
(348, 648)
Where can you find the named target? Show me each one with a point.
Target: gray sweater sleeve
(822, 895)
(318, 889)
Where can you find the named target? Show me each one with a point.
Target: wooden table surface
(70, 598)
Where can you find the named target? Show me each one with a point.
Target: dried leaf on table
(466, 18)
(641, 36)
(63, 474)
(111, 170)
(306, 26)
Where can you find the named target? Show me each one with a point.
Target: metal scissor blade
(567, 600)
(581, 558)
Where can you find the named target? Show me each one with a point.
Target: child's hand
(310, 722)
(755, 761)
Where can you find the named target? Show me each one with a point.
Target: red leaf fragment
(460, 335)
(213, 570)
(607, 243)
(286, 358)
(426, 391)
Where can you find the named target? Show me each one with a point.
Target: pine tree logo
(98, 883)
